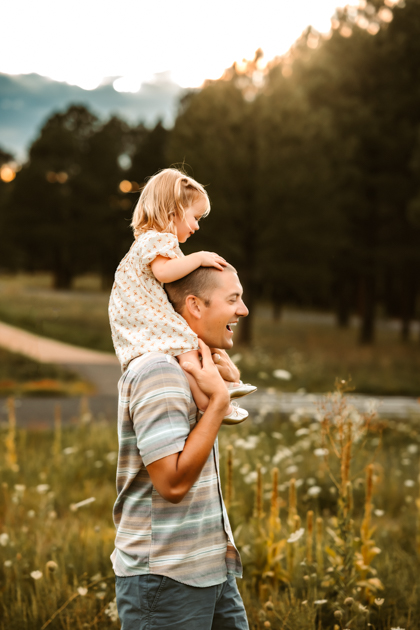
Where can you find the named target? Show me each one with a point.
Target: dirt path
(50, 351)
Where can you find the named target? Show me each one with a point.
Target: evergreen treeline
(312, 166)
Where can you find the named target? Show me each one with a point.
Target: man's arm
(174, 475)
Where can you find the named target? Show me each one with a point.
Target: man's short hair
(201, 282)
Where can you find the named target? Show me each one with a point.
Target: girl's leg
(200, 398)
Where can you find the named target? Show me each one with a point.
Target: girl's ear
(194, 306)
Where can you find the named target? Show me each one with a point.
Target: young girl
(141, 316)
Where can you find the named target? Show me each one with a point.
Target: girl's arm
(171, 269)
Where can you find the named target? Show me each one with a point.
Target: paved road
(39, 412)
(103, 370)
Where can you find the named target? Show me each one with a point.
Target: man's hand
(208, 378)
(210, 259)
(227, 369)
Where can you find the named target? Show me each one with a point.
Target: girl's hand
(227, 369)
(208, 377)
(210, 259)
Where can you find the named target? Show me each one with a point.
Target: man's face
(215, 326)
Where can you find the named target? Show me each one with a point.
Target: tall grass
(325, 512)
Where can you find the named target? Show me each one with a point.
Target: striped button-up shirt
(191, 541)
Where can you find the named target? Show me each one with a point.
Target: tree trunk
(408, 302)
(63, 273)
(343, 306)
(63, 279)
(367, 310)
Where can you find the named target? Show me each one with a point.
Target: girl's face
(189, 224)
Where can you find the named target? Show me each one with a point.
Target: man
(174, 559)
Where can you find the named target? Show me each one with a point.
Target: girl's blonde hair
(165, 196)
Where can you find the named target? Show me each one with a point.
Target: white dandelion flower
(42, 488)
(314, 491)
(321, 452)
(296, 535)
(379, 512)
(302, 431)
(291, 470)
(36, 575)
(7, 564)
(82, 591)
(4, 540)
(70, 450)
(409, 483)
(319, 602)
(111, 610)
(283, 375)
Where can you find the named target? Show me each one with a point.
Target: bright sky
(84, 41)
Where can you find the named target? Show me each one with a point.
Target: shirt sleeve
(159, 407)
(157, 244)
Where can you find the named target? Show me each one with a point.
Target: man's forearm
(174, 476)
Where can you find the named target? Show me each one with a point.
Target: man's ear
(194, 306)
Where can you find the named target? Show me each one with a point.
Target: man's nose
(242, 310)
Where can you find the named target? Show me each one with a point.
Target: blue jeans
(156, 602)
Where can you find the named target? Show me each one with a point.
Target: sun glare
(154, 39)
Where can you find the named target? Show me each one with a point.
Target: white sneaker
(236, 416)
(242, 390)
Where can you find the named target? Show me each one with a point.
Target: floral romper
(142, 318)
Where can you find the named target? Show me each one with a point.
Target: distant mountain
(26, 101)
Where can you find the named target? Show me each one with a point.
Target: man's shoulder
(151, 363)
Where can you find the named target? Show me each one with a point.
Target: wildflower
(52, 515)
(111, 610)
(282, 453)
(412, 449)
(321, 452)
(70, 450)
(251, 477)
(398, 628)
(111, 457)
(4, 540)
(100, 594)
(36, 575)
(75, 506)
(269, 605)
(405, 461)
(311, 481)
(277, 435)
(82, 590)
(338, 614)
(319, 602)
(267, 624)
(42, 488)
(7, 563)
(283, 375)
(409, 483)
(349, 601)
(302, 431)
(296, 535)
(379, 512)
(20, 488)
(31, 513)
(314, 491)
(291, 470)
(379, 601)
(98, 464)
(51, 566)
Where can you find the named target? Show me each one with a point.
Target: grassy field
(325, 512)
(21, 376)
(312, 351)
